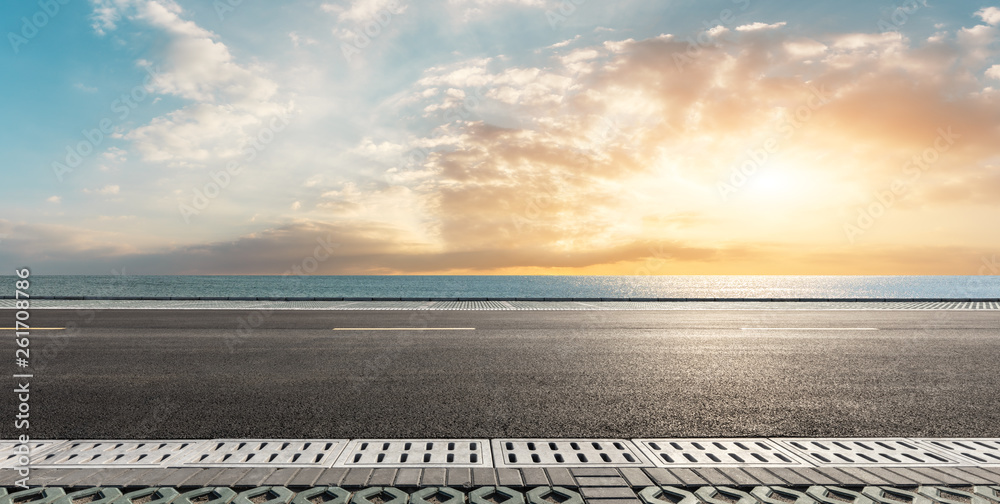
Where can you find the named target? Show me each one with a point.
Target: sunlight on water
(517, 286)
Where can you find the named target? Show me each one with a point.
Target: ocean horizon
(522, 286)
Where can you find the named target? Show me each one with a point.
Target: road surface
(183, 374)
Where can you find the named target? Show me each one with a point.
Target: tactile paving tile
(9, 454)
(471, 305)
(265, 453)
(718, 453)
(865, 452)
(566, 452)
(416, 453)
(137, 454)
(980, 452)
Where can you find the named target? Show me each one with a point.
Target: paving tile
(815, 476)
(229, 477)
(614, 501)
(739, 477)
(305, 477)
(992, 470)
(178, 477)
(790, 475)
(509, 477)
(889, 476)
(713, 476)
(77, 477)
(99, 478)
(355, 477)
(383, 476)
(764, 476)
(534, 476)
(922, 479)
(688, 477)
(979, 476)
(635, 477)
(433, 476)
(594, 471)
(459, 477)
(607, 493)
(8, 476)
(105, 478)
(138, 477)
(281, 477)
(484, 476)
(661, 476)
(121, 478)
(560, 476)
(963, 474)
(408, 477)
(841, 477)
(43, 477)
(255, 476)
(941, 474)
(597, 481)
(866, 478)
(333, 476)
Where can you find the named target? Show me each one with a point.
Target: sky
(500, 137)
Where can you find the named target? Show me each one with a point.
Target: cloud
(371, 248)
(84, 88)
(989, 15)
(298, 40)
(805, 48)
(758, 26)
(993, 72)
(54, 199)
(106, 190)
(595, 155)
(105, 15)
(230, 100)
(564, 43)
(354, 18)
(362, 11)
(551, 158)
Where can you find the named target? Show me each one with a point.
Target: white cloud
(115, 154)
(718, 30)
(977, 42)
(105, 191)
(994, 72)
(479, 9)
(54, 199)
(805, 48)
(85, 88)
(989, 15)
(564, 43)
(231, 100)
(760, 26)
(200, 132)
(298, 40)
(106, 15)
(361, 11)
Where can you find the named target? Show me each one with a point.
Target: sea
(722, 286)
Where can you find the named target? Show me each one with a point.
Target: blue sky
(499, 136)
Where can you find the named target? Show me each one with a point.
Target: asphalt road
(170, 374)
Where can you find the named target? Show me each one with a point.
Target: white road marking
(809, 329)
(33, 329)
(404, 328)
